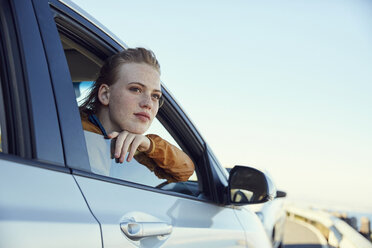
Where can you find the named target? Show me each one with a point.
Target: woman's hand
(129, 142)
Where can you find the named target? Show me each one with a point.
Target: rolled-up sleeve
(174, 165)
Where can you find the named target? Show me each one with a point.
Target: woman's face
(133, 100)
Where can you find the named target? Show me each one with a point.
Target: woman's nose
(146, 101)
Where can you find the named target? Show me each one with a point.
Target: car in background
(272, 215)
(50, 196)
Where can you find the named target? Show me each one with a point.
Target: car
(272, 215)
(50, 196)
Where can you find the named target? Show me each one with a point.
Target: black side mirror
(248, 185)
(280, 194)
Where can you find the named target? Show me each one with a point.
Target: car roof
(70, 4)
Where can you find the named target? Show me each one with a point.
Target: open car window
(138, 170)
(84, 62)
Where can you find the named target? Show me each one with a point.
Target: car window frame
(31, 118)
(3, 107)
(46, 12)
(16, 131)
(40, 101)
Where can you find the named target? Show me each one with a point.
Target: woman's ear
(104, 94)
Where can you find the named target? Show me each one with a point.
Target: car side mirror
(248, 186)
(280, 194)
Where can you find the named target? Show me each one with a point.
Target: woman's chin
(135, 127)
(137, 130)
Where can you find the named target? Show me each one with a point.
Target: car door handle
(138, 230)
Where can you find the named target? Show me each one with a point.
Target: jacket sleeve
(166, 160)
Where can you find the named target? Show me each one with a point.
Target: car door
(40, 203)
(163, 214)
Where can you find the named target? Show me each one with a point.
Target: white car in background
(272, 215)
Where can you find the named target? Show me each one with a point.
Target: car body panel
(195, 223)
(43, 208)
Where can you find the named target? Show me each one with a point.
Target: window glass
(102, 162)
(84, 68)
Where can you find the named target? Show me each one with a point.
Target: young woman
(122, 104)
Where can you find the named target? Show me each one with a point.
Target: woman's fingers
(113, 135)
(127, 143)
(119, 143)
(115, 146)
(133, 148)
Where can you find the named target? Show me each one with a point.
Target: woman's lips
(142, 116)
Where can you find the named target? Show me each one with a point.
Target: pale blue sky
(281, 85)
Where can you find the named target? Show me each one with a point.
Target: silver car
(58, 191)
(273, 216)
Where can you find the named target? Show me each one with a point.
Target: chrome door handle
(137, 230)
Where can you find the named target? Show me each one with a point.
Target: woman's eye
(135, 89)
(156, 97)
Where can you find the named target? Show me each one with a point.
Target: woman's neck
(104, 117)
